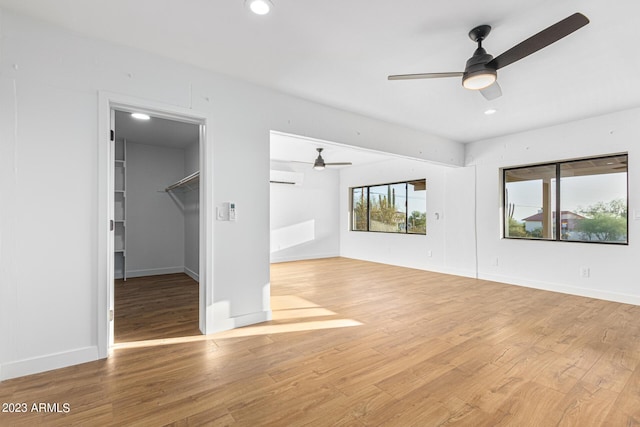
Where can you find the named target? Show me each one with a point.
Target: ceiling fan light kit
(318, 164)
(481, 70)
(477, 75)
(479, 79)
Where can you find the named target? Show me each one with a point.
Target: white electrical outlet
(585, 272)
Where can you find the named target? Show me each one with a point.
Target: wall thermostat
(226, 212)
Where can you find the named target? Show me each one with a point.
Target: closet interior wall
(162, 235)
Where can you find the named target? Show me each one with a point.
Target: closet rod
(184, 181)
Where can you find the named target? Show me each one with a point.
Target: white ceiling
(340, 52)
(156, 131)
(293, 148)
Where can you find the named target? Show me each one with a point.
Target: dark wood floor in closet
(156, 307)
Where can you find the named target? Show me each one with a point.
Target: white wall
(556, 265)
(444, 185)
(49, 85)
(155, 226)
(305, 219)
(466, 240)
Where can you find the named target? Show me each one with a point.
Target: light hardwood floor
(355, 343)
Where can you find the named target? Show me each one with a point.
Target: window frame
(368, 191)
(557, 225)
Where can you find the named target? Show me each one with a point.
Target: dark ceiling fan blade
(491, 92)
(539, 41)
(424, 76)
(339, 164)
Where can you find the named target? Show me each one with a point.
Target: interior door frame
(107, 102)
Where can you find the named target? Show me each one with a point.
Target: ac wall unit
(286, 177)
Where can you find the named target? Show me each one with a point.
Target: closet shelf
(188, 182)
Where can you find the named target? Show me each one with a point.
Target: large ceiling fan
(480, 72)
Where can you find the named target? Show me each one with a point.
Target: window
(360, 202)
(390, 208)
(590, 196)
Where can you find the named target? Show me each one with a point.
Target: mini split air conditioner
(286, 177)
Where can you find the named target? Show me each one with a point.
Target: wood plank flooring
(155, 307)
(354, 343)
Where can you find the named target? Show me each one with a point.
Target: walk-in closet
(156, 221)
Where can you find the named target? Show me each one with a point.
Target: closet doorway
(156, 218)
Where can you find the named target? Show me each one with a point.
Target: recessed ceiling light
(259, 7)
(490, 111)
(140, 116)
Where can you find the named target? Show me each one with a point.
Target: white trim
(194, 275)
(206, 219)
(563, 289)
(105, 248)
(276, 259)
(160, 271)
(49, 362)
(252, 318)
(154, 271)
(106, 102)
(469, 273)
(224, 321)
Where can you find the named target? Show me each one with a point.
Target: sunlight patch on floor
(285, 307)
(287, 327)
(160, 341)
(287, 302)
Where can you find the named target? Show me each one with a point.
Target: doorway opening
(175, 190)
(156, 214)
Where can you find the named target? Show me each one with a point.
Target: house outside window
(590, 194)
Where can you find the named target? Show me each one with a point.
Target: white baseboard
(433, 268)
(563, 289)
(219, 318)
(48, 362)
(451, 271)
(194, 275)
(155, 271)
(278, 258)
(528, 283)
(252, 318)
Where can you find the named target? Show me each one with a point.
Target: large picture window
(399, 207)
(579, 200)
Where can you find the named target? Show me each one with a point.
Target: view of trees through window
(590, 196)
(390, 208)
(360, 202)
